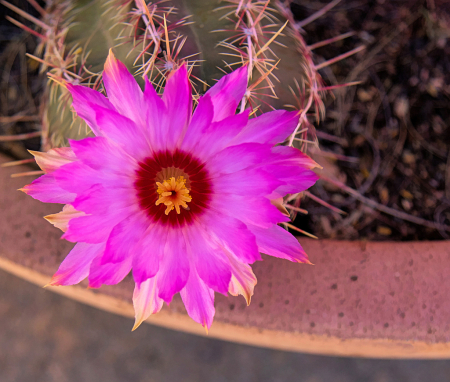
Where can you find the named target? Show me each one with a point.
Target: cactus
(155, 38)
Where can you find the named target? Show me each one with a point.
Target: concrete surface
(46, 337)
(369, 291)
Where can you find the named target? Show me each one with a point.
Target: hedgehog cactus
(154, 38)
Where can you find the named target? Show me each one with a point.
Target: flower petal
(199, 300)
(94, 228)
(75, 266)
(272, 127)
(123, 238)
(245, 182)
(61, 219)
(243, 280)
(178, 99)
(109, 273)
(54, 158)
(156, 115)
(249, 210)
(228, 93)
(295, 178)
(122, 89)
(201, 121)
(209, 259)
(146, 301)
(216, 136)
(277, 242)
(77, 177)
(47, 190)
(85, 103)
(148, 252)
(286, 155)
(108, 156)
(237, 158)
(99, 200)
(233, 235)
(123, 131)
(174, 267)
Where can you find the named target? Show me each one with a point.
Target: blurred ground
(46, 337)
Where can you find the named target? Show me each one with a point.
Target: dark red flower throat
(154, 169)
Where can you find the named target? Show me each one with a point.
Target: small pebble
(408, 157)
(406, 194)
(385, 231)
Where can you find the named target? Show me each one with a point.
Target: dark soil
(20, 83)
(387, 138)
(394, 126)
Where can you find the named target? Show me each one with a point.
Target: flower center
(173, 194)
(160, 168)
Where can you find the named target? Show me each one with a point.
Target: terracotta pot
(368, 299)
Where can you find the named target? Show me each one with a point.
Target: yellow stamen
(173, 194)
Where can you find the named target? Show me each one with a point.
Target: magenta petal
(123, 238)
(228, 93)
(76, 177)
(255, 211)
(123, 131)
(47, 190)
(93, 228)
(122, 89)
(296, 178)
(246, 183)
(199, 300)
(107, 274)
(218, 135)
(201, 121)
(211, 263)
(237, 158)
(174, 267)
(75, 266)
(156, 115)
(277, 242)
(148, 252)
(178, 99)
(99, 200)
(234, 235)
(273, 127)
(85, 101)
(286, 155)
(108, 156)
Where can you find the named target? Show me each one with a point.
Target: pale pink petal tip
(243, 283)
(146, 301)
(54, 158)
(61, 219)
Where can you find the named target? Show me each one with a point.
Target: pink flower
(185, 200)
